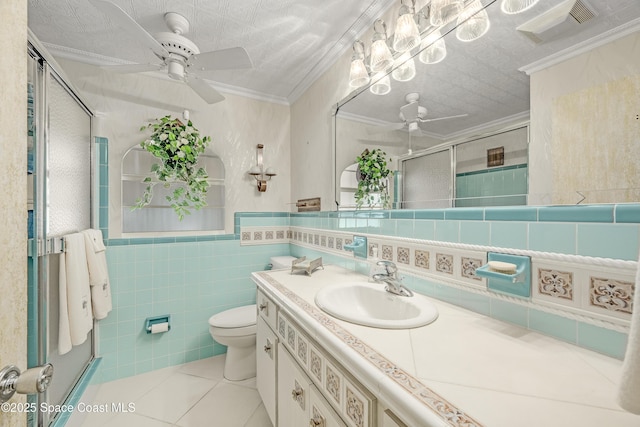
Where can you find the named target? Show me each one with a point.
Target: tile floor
(190, 395)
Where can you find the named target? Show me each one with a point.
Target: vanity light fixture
(433, 48)
(358, 75)
(444, 11)
(381, 58)
(259, 173)
(406, 70)
(473, 22)
(407, 35)
(511, 7)
(381, 85)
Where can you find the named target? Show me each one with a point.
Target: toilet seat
(235, 318)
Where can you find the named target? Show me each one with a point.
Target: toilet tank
(279, 262)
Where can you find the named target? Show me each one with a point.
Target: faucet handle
(389, 266)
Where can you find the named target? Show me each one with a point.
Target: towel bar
(52, 245)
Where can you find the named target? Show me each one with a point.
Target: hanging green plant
(373, 180)
(177, 146)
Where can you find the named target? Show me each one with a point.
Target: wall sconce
(259, 173)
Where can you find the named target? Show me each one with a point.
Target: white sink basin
(369, 304)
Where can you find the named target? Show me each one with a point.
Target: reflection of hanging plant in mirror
(373, 182)
(177, 146)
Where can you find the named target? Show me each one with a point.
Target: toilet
(236, 328)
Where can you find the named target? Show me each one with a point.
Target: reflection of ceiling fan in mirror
(411, 115)
(179, 55)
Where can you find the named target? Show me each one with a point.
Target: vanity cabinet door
(266, 356)
(293, 391)
(267, 309)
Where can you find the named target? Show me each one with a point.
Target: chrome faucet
(390, 278)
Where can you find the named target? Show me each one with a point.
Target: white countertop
(496, 373)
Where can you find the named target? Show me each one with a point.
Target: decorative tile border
(449, 414)
(264, 235)
(555, 283)
(612, 295)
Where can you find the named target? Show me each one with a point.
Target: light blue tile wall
(502, 186)
(610, 231)
(191, 281)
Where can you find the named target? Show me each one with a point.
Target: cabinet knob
(316, 422)
(268, 347)
(297, 393)
(264, 307)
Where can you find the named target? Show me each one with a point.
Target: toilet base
(240, 363)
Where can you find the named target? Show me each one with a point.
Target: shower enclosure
(60, 188)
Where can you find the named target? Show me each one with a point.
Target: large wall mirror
(483, 123)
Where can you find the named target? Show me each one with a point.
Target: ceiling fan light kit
(180, 56)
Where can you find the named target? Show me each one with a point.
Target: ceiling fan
(179, 55)
(411, 115)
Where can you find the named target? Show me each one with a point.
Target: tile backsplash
(438, 251)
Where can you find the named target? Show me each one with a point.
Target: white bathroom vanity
(463, 369)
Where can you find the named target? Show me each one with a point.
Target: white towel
(75, 317)
(98, 273)
(629, 387)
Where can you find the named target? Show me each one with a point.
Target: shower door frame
(43, 247)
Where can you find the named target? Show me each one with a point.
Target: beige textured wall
(124, 102)
(584, 132)
(596, 135)
(13, 181)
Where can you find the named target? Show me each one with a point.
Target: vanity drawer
(267, 309)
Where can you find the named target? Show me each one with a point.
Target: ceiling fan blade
(133, 68)
(128, 24)
(410, 111)
(385, 128)
(442, 118)
(202, 88)
(224, 59)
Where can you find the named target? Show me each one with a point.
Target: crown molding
(583, 47)
(102, 60)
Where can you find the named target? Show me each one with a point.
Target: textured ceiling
(291, 42)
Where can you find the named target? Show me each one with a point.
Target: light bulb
(407, 35)
(382, 85)
(406, 70)
(444, 11)
(511, 7)
(433, 47)
(381, 58)
(358, 75)
(473, 22)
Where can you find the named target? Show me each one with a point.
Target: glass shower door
(67, 210)
(60, 202)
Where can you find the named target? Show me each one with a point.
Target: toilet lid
(235, 318)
